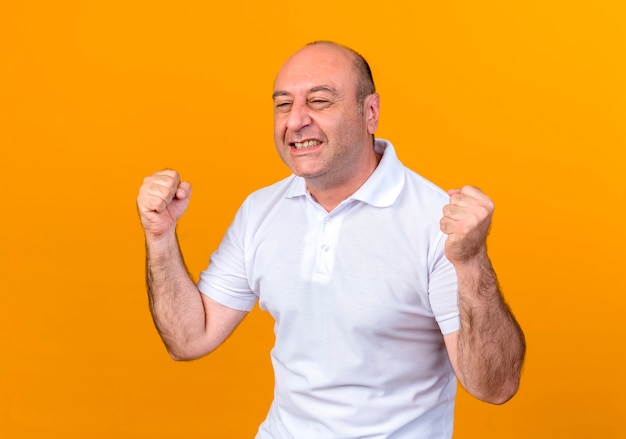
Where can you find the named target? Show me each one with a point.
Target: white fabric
(360, 297)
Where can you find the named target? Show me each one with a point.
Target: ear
(371, 109)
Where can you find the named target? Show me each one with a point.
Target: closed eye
(319, 103)
(282, 105)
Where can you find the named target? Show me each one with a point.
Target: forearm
(491, 345)
(175, 302)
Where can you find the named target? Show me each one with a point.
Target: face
(319, 131)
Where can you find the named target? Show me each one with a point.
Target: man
(380, 303)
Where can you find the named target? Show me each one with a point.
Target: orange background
(526, 100)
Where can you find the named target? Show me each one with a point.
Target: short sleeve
(225, 280)
(443, 290)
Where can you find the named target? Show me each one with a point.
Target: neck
(329, 194)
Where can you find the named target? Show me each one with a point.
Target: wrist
(476, 259)
(476, 277)
(161, 243)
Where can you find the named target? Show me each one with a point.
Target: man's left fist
(466, 221)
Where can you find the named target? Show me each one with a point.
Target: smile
(305, 145)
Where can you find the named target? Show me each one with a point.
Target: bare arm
(190, 324)
(488, 351)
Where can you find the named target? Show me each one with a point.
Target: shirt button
(329, 220)
(325, 248)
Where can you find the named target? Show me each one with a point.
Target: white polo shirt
(360, 296)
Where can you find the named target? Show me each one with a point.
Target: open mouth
(307, 144)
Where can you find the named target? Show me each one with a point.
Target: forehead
(317, 65)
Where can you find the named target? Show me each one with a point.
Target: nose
(299, 117)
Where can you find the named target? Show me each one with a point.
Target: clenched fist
(466, 221)
(162, 200)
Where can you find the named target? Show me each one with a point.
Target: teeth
(307, 144)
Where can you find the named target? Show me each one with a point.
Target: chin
(306, 173)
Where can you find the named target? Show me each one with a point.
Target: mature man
(379, 282)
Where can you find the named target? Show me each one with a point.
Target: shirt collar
(382, 187)
(387, 180)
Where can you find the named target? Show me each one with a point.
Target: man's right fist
(162, 199)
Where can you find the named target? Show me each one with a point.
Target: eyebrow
(317, 88)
